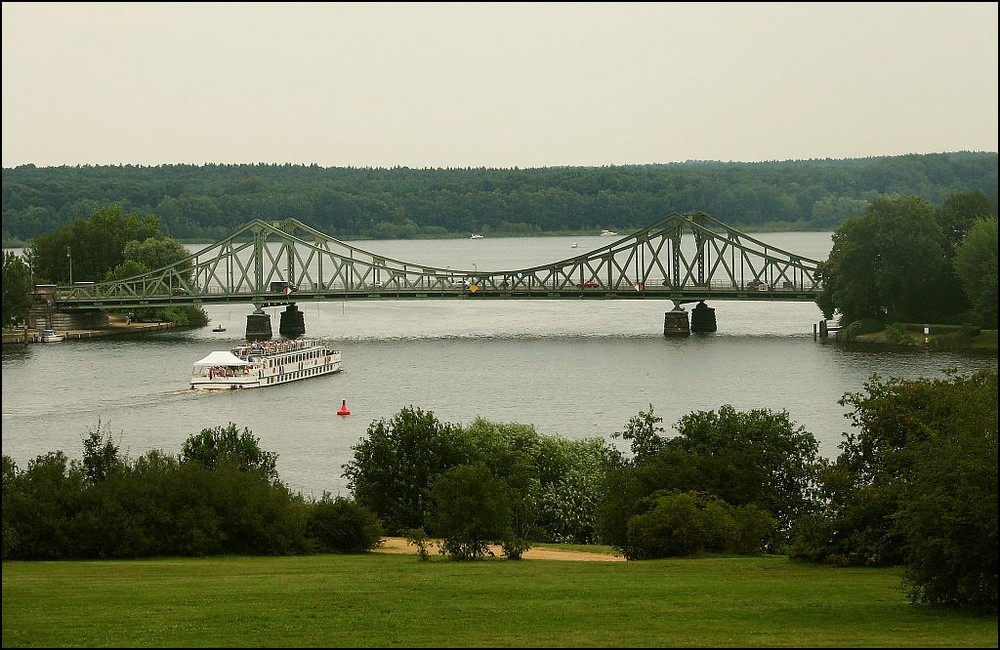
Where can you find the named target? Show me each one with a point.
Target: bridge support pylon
(703, 319)
(675, 322)
(293, 322)
(258, 326)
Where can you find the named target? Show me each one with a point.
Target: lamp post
(69, 255)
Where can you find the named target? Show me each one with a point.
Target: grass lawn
(385, 600)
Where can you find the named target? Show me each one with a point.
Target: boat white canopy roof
(221, 358)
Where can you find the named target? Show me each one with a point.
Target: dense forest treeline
(205, 203)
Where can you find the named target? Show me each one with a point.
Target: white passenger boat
(50, 336)
(608, 233)
(265, 363)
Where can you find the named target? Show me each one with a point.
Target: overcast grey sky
(493, 84)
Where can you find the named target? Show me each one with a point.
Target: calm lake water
(571, 369)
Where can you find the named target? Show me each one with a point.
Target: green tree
(340, 525)
(906, 453)
(976, 268)
(220, 446)
(948, 506)
(125, 270)
(157, 252)
(16, 289)
(510, 451)
(392, 469)
(572, 476)
(9, 474)
(959, 212)
(89, 248)
(39, 508)
(469, 510)
(686, 523)
(758, 458)
(889, 265)
(643, 435)
(101, 459)
(631, 480)
(755, 457)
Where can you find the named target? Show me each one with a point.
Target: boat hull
(251, 367)
(242, 383)
(49, 336)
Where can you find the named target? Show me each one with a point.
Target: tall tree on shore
(976, 268)
(890, 265)
(89, 248)
(16, 289)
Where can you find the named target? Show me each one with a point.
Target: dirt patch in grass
(400, 545)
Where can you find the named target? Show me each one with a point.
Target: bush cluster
(220, 496)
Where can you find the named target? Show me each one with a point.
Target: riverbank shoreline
(25, 336)
(983, 343)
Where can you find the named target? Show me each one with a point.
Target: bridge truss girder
(683, 257)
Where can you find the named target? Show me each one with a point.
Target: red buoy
(343, 408)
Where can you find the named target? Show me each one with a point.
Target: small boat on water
(265, 363)
(219, 328)
(476, 236)
(573, 245)
(51, 336)
(608, 233)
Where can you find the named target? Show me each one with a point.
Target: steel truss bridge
(684, 258)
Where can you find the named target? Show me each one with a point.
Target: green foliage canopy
(393, 468)
(916, 485)
(340, 525)
(17, 287)
(758, 458)
(948, 507)
(470, 511)
(889, 265)
(228, 445)
(976, 267)
(222, 495)
(207, 202)
(551, 486)
(689, 523)
(90, 247)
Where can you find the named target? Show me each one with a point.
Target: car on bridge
(590, 284)
(758, 285)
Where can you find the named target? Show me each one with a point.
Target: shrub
(469, 512)
(339, 525)
(689, 523)
(417, 537)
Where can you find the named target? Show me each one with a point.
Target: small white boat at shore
(608, 233)
(51, 336)
(265, 363)
(476, 236)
